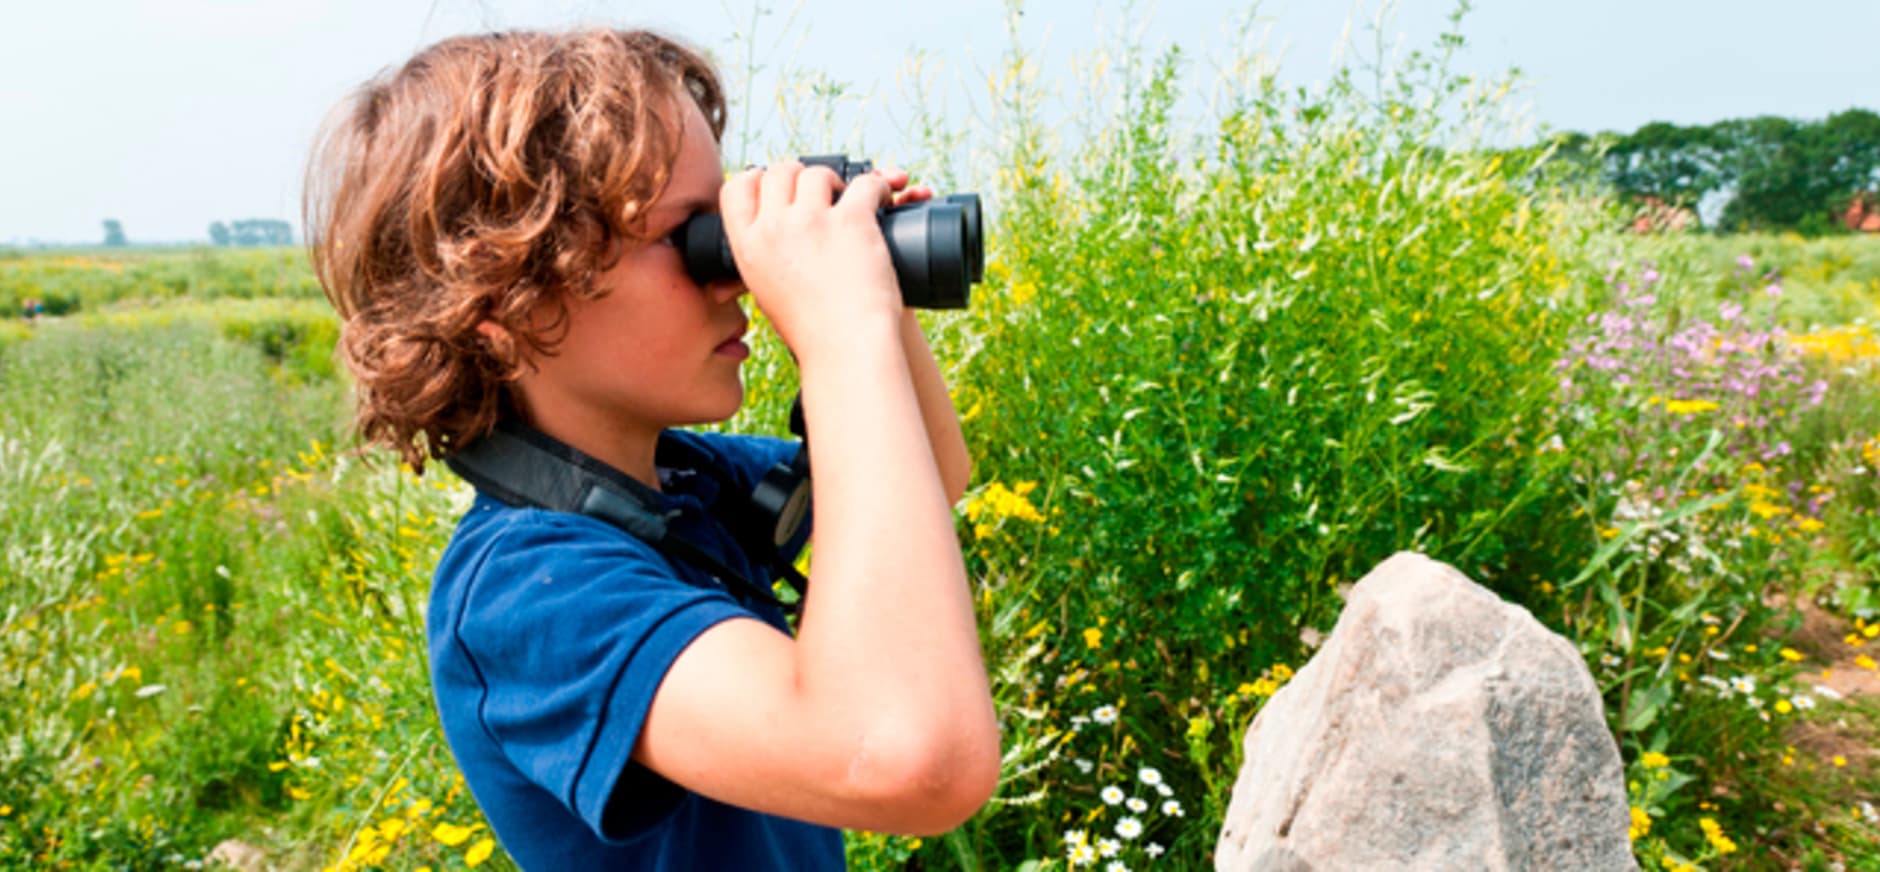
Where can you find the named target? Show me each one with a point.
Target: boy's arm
(878, 715)
(936, 410)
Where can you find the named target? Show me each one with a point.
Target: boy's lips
(735, 343)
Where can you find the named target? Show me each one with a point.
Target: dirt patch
(1825, 742)
(1851, 655)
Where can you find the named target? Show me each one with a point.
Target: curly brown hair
(486, 181)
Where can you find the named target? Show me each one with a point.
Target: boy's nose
(726, 290)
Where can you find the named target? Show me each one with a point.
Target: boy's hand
(897, 179)
(817, 265)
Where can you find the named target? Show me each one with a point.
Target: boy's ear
(500, 342)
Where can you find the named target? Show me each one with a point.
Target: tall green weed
(1211, 379)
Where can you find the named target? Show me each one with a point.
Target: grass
(1213, 374)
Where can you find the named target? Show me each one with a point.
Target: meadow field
(1211, 379)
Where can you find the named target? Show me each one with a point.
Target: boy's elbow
(931, 781)
(959, 480)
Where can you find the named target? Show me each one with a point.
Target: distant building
(1863, 214)
(1657, 216)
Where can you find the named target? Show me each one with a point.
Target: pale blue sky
(170, 114)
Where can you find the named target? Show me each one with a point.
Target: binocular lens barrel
(935, 245)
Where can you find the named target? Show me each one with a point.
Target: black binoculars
(935, 244)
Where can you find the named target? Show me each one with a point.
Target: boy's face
(656, 350)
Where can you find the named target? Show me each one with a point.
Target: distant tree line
(1775, 173)
(252, 232)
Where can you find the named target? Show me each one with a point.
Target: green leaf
(1644, 706)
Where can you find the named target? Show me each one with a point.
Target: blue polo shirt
(549, 635)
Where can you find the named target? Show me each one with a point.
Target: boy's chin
(720, 408)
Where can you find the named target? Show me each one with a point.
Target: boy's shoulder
(510, 561)
(742, 457)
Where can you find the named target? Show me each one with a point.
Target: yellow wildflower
(1714, 834)
(1093, 637)
(479, 852)
(1654, 760)
(1791, 655)
(1641, 824)
(1689, 407)
(1259, 687)
(997, 502)
(451, 834)
(1766, 510)
(1864, 662)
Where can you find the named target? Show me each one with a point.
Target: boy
(492, 223)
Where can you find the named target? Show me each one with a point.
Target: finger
(737, 198)
(818, 184)
(868, 190)
(780, 183)
(914, 194)
(894, 176)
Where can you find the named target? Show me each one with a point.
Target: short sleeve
(571, 627)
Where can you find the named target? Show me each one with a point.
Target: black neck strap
(523, 466)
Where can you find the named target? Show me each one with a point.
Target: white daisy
(1105, 714)
(1149, 775)
(1116, 866)
(1153, 849)
(1112, 795)
(1109, 847)
(1129, 828)
(1172, 808)
(1082, 855)
(1165, 790)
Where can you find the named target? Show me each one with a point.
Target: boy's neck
(627, 449)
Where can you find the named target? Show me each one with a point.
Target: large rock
(1437, 728)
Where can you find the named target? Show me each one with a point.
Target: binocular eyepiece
(935, 244)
